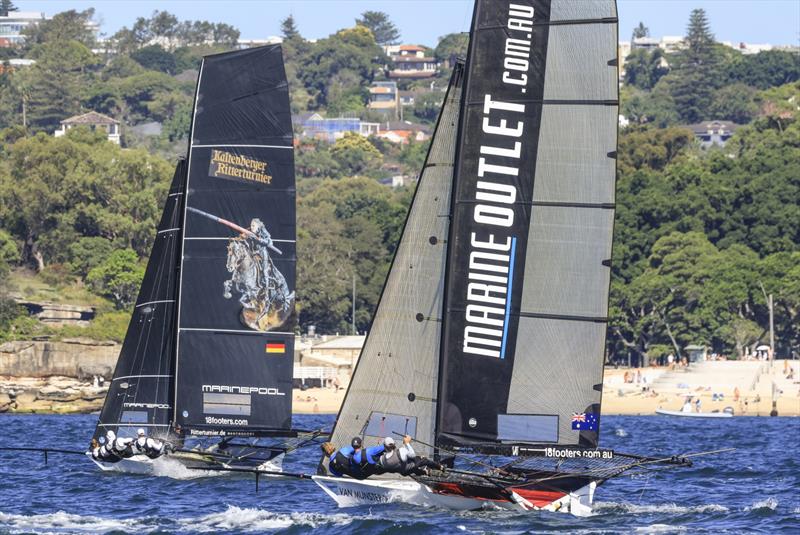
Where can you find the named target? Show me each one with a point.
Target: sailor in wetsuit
(366, 461)
(340, 462)
(144, 445)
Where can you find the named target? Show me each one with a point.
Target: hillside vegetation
(701, 235)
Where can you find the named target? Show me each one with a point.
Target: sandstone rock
(52, 393)
(33, 406)
(27, 397)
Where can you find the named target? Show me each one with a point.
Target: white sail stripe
(155, 302)
(227, 238)
(137, 376)
(242, 331)
(168, 230)
(175, 194)
(245, 146)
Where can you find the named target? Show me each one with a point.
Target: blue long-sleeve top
(371, 454)
(347, 451)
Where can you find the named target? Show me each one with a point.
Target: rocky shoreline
(50, 395)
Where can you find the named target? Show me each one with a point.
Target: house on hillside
(410, 62)
(94, 121)
(404, 131)
(710, 133)
(314, 125)
(13, 25)
(383, 98)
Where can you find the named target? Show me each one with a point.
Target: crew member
(366, 461)
(404, 460)
(107, 452)
(144, 445)
(340, 462)
(121, 447)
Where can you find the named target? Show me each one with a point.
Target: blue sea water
(755, 489)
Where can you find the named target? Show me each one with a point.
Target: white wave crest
(670, 508)
(62, 522)
(660, 528)
(254, 520)
(174, 469)
(620, 432)
(769, 503)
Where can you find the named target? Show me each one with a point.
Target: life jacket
(340, 463)
(106, 454)
(391, 461)
(122, 448)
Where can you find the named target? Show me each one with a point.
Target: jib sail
(393, 389)
(237, 277)
(530, 242)
(141, 392)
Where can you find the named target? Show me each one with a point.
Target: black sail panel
(527, 289)
(141, 391)
(236, 308)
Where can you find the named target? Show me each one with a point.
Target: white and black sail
(233, 371)
(142, 392)
(530, 242)
(394, 386)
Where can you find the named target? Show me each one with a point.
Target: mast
(532, 217)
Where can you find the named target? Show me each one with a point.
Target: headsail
(141, 391)
(530, 242)
(236, 301)
(394, 386)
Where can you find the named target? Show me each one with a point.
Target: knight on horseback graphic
(267, 303)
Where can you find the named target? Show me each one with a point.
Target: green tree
(452, 46)
(644, 68)
(155, 58)
(770, 68)
(63, 27)
(384, 30)
(289, 28)
(118, 277)
(735, 102)
(640, 31)
(55, 85)
(7, 6)
(87, 253)
(355, 154)
(697, 70)
(342, 64)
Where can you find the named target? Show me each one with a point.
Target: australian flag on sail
(585, 421)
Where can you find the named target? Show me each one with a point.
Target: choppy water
(755, 489)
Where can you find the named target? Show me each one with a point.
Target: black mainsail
(209, 349)
(236, 300)
(533, 212)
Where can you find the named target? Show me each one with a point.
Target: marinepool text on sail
(492, 249)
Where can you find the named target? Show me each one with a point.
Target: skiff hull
(351, 492)
(143, 465)
(664, 412)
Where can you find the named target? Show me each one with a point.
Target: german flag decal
(276, 348)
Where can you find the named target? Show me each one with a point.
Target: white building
(11, 27)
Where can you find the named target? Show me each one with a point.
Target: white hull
(173, 465)
(694, 414)
(352, 492)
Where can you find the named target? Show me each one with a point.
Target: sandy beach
(658, 388)
(716, 384)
